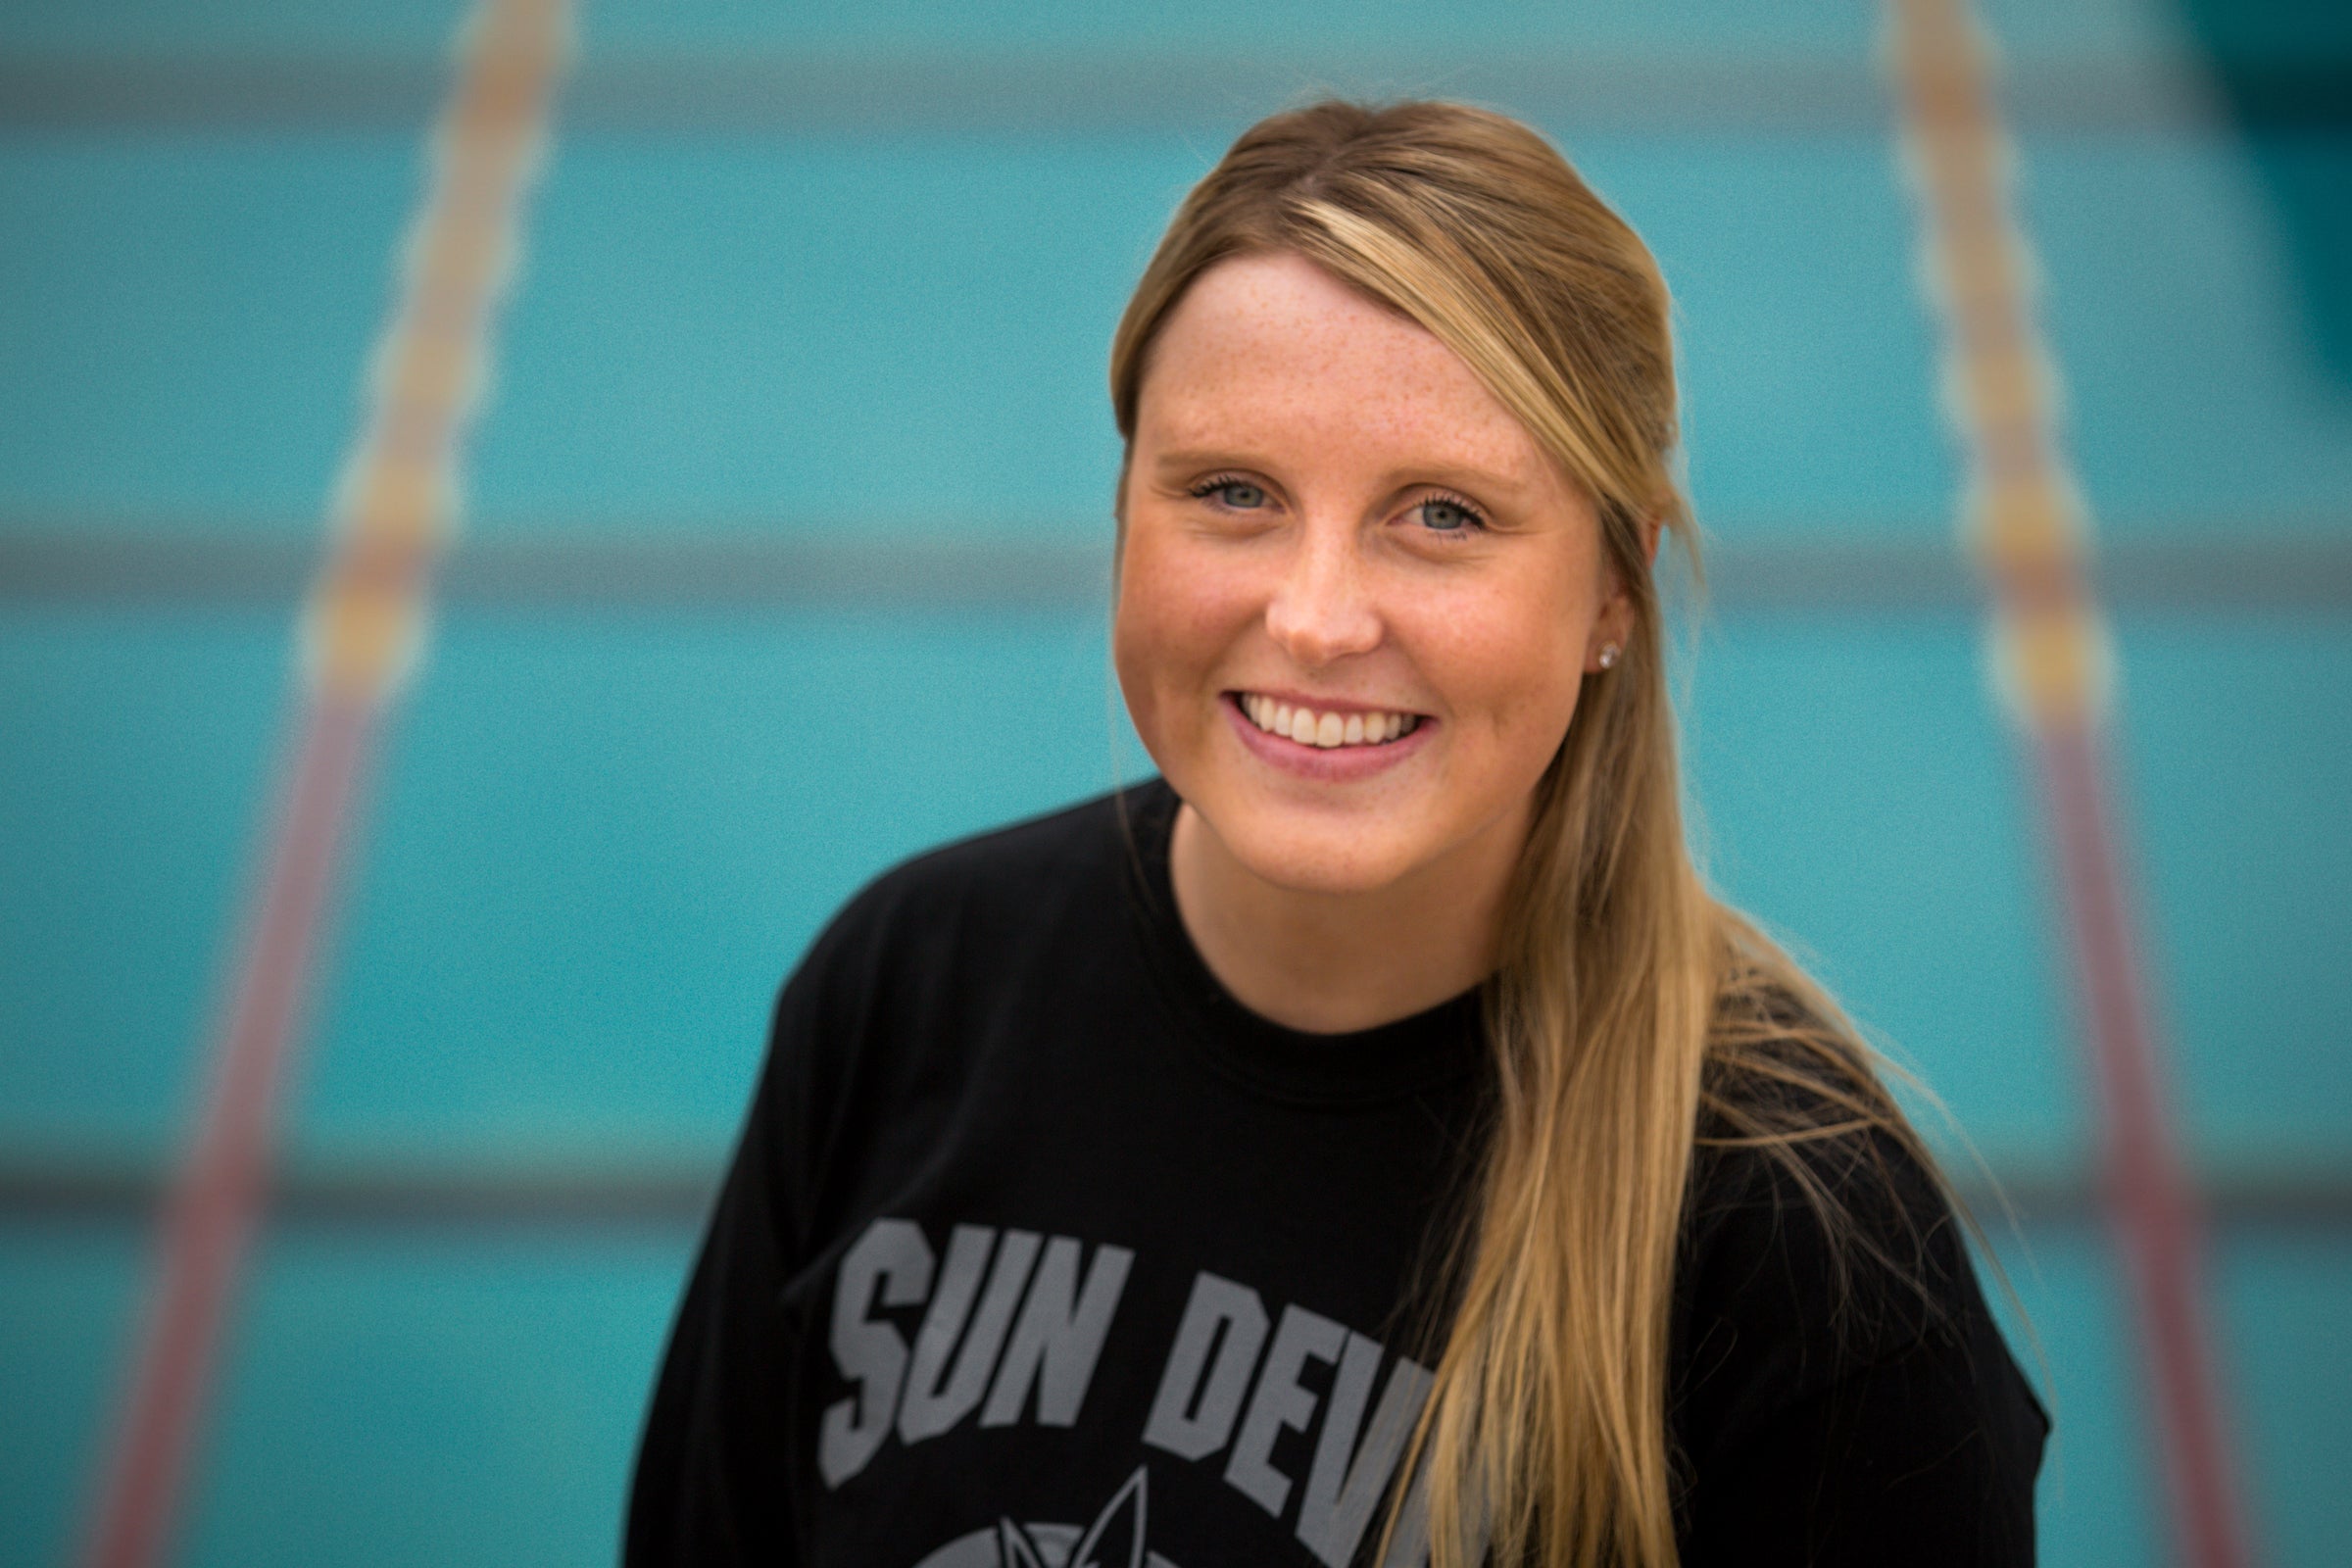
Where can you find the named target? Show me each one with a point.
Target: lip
(1338, 764)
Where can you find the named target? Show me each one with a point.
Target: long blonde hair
(1628, 1000)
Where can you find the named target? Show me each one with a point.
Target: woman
(1371, 1144)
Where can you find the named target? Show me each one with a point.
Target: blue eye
(1447, 517)
(1238, 494)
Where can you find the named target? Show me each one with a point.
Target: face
(1357, 600)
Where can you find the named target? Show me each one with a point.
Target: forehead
(1267, 348)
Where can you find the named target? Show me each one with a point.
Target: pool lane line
(363, 631)
(2054, 663)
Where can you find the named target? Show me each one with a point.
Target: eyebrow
(1447, 475)
(1206, 458)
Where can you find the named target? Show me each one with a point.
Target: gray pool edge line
(2294, 564)
(771, 91)
(678, 1192)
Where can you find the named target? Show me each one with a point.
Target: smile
(1325, 729)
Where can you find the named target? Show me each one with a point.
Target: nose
(1322, 606)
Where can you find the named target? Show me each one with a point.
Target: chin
(1326, 857)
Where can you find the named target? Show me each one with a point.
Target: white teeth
(1325, 731)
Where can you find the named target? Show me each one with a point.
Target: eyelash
(1475, 517)
(1208, 488)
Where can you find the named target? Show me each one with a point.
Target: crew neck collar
(1359, 1066)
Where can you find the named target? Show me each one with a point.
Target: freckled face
(1356, 600)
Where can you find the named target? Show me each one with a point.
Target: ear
(1118, 520)
(1613, 627)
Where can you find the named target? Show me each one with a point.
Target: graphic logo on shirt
(1304, 1418)
(1116, 1539)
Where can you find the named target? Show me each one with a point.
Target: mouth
(1325, 728)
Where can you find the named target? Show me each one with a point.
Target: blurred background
(784, 553)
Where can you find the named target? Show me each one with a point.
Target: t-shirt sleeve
(1843, 1395)
(713, 1477)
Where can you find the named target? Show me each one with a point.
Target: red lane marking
(2154, 1207)
(360, 635)
(2056, 655)
(211, 1217)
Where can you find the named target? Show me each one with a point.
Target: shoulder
(994, 887)
(949, 929)
(1844, 1244)
(1822, 1250)
(1073, 848)
(877, 1027)
(1817, 1224)
(1834, 1358)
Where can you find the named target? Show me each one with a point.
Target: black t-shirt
(1040, 1251)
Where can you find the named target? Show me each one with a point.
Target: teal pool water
(599, 830)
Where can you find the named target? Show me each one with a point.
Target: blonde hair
(1628, 1001)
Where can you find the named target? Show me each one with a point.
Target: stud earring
(1608, 656)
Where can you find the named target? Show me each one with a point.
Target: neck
(1334, 962)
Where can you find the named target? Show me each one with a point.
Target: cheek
(1511, 671)
(1170, 625)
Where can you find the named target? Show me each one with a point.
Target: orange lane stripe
(361, 633)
